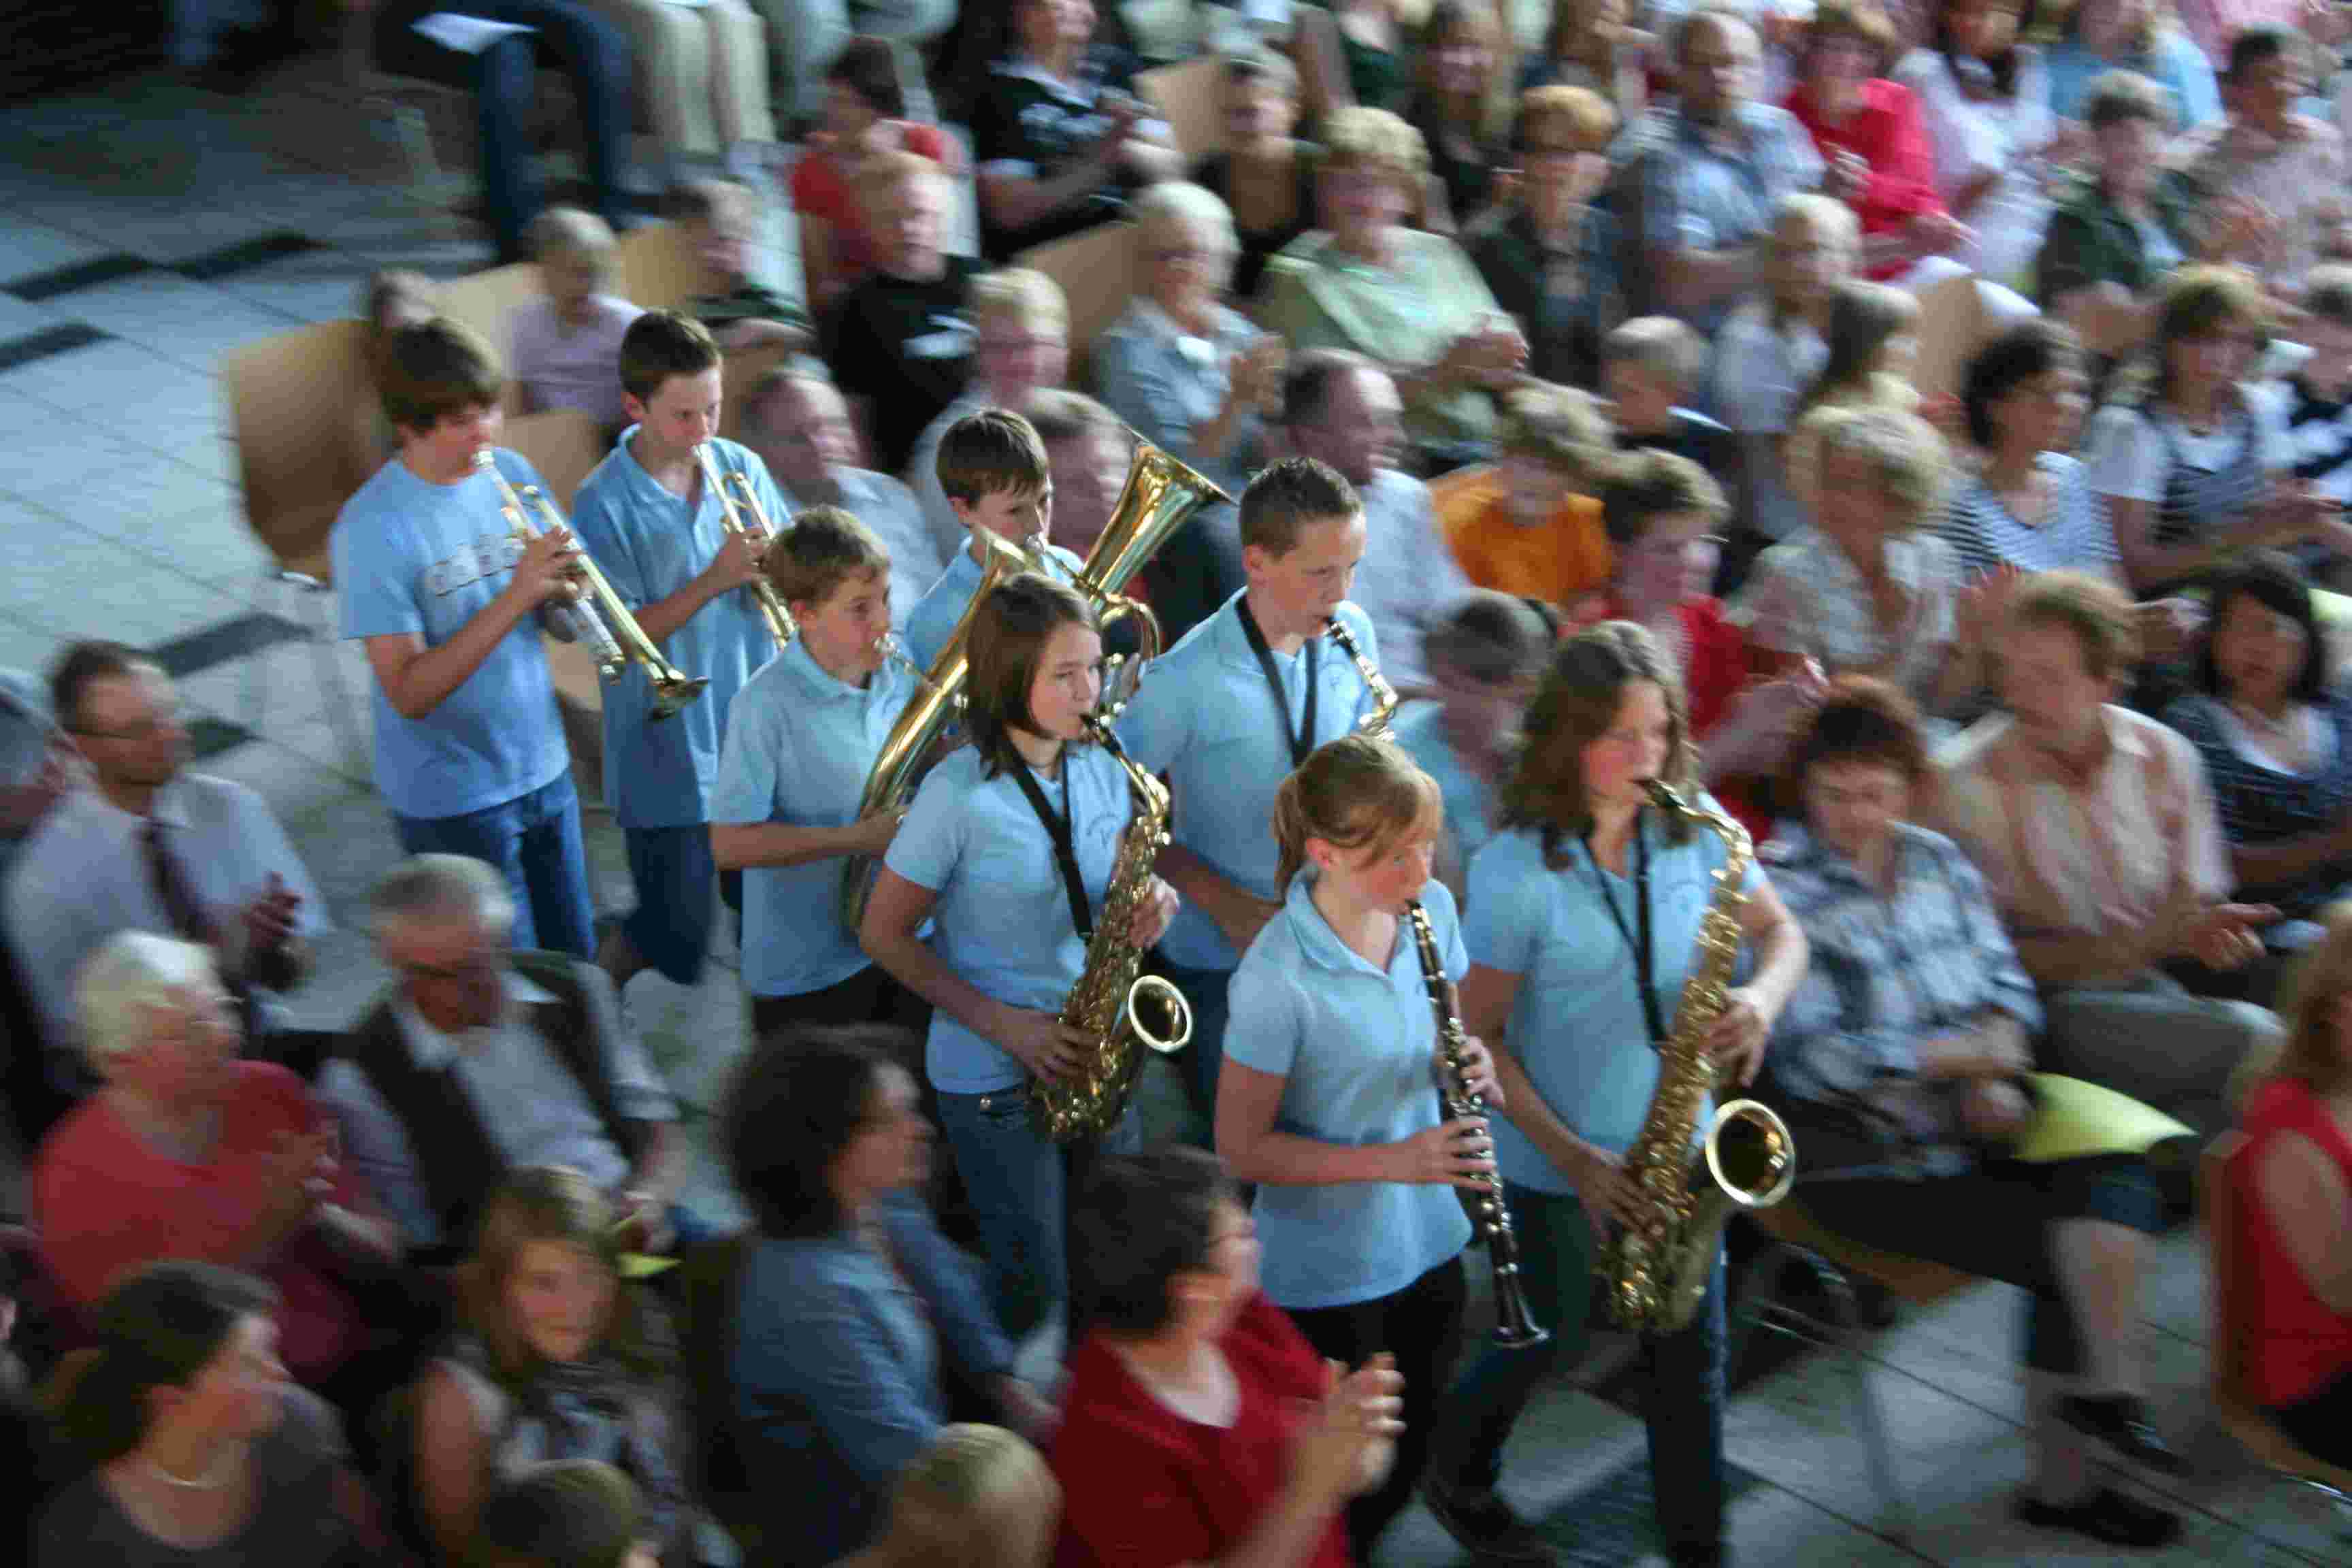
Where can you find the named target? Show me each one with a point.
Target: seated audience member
(1059, 137)
(2126, 222)
(188, 1153)
(1087, 454)
(2264, 157)
(1193, 376)
(979, 1495)
(1459, 64)
(702, 78)
(1872, 345)
(2319, 419)
(1530, 525)
(563, 1513)
(1867, 590)
(39, 767)
(479, 1061)
(898, 342)
(2139, 35)
(1266, 175)
(1767, 354)
(1549, 253)
(1649, 367)
(1700, 183)
(719, 218)
(1906, 1097)
(800, 426)
(2277, 743)
(1022, 348)
(180, 1442)
(852, 1307)
(503, 77)
(1868, 131)
(806, 36)
(551, 1361)
(1408, 300)
(1484, 652)
(2294, 1176)
(864, 117)
(2191, 456)
(151, 846)
(2025, 505)
(1984, 97)
(1342, 409)
(1591, 45)
(2096, 831)
(393, 297)
(1374, 51)
(566, 344)
(1182, 1437)
(998, 483)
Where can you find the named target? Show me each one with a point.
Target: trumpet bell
(674, 693)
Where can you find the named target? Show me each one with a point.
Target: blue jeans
(675, 876)
(533, 841)
(1681, 1405)
(1019, 1183)
(1207, 991)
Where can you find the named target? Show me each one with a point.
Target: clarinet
(1515, 1327)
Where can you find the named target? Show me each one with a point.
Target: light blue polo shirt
(1576, 1024)
(799, 745)
(1355, 1047)
(935, 614)
(1470, 809)
(1204, 718)
(650, 545)
(415, 558)
(1002, 919)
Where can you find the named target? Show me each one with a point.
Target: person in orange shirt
(1528, 526)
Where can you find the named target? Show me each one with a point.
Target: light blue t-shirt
(649, 546)
(799, 745)
(1204, 718)
(1469, 804)
(935, 614)
(1576, 1024)
(2175, 64)
(1356, 1049)
(1002, 919)
(413, 557)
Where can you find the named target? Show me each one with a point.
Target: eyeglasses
(144, 730)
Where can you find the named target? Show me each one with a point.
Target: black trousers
(868, 996)
(1421, 1326)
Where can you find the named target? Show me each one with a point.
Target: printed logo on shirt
(487, 556)
(953, 339)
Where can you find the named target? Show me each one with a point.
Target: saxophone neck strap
(1059, 828)
(1301, 740)
(1637, 938)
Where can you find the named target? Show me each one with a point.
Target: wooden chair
(1958, 317)
(1797, 1238)
(1096, 271)
(659, 268)
(564, 445)
(1191, 97)
(485, 301)
(2222, 1207)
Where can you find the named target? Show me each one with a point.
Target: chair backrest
(485, 301)
(1096, 271)
(659, 267)
(1958, 317)
(562, 444)
(1191, 97)
(293, 400)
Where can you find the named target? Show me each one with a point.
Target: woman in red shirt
(864, 115)
(1197, 1425)
(2296, 1172)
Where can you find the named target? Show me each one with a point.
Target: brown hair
(660, 344)
(2318, 979)
(993, 450)
(1561, 425)
(390, 284)
(1286, 496)
(824, 547)
(2091, 607)
(1646, 484)
(541, 1203)
(710, 201)
(1859, 19)
(1488, 638)
(1354, 792)
(1007, 644)
(437, 368)
(868, 66)
(2195, 301)
(576, 232)
(560, 1513)
(2327, 293)
(1861, 720)
(1580, 698)
(2117, 96)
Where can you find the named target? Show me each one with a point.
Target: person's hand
(1847, 177)
(1343, 1447)
(269, 918)
(1154, 915)
(299, 1170)
(1049, 1048)
(1457, 1154)
(1609, 1199)
(1936, 234)
(2243, 228)
(2228, 936)
(2167, 628)
(737, 565)
(1737, 1039)
(1983, 603)
(1994, 1110)
(643, 1222)
(1478, 1073)
(872, 832)
(545, 571)
(1027, 1411)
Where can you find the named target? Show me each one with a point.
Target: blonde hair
(1354, 792)
(2319, 978)
(978, 1496)
(1179, 209)
(576, 232)
(1589, 119)
(1828, 217)
(2091, 607)
(1379, 140)
(1561, 425)
(1018, 296)
(1904, 453)
(885, 172)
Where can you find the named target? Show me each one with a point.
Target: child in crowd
(1087, 452)
(1485, 656)
(567, 342)
(565, 1514)
(1023, 325)
(1000, 484)
(649, 517)
(1873, 341)
(719, 218)
(1530, 525)
(864, 117)
(1649, 367)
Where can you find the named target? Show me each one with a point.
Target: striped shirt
(2260, 802)
(2075, 535)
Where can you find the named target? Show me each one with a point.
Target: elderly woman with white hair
(188, 1153)
(1190, 373)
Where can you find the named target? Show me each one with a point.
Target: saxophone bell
(1157, 993)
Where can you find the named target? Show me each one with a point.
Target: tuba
(1655, 1272)
(602, 621)
(737, 498)
(1113, 1002)
(1161, 495)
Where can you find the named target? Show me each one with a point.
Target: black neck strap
(1301, 741)
(1058, 828)
(1637, 940)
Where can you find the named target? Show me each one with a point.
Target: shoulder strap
(568, 1026)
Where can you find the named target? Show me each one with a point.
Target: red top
(107, 1204)
(1144, 1487)
(2295, 1343)
(822, 189)
(1887, 134)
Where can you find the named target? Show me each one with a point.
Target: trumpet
(736, 497)
(601, 620)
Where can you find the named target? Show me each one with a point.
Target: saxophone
(1655, 1272)
(1115, 1004)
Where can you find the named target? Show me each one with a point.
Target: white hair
(426, 888)
(134, 975)
(1176, 209)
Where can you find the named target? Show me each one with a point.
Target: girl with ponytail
(1328, 1099)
